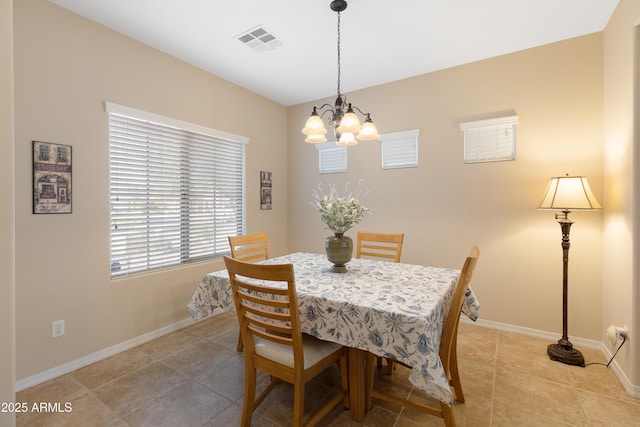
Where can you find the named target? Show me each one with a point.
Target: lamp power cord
(624, 339)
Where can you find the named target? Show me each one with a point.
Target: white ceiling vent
(260, 39)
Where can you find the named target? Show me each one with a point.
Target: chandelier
(342, 116)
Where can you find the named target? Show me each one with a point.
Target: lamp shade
(569, 193)
(314, 125)
(369, 131)
(347, 139)
(316, 139)
(350, 123)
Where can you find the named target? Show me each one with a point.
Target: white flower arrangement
(339, 213)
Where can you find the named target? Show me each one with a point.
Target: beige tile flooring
(195, 377)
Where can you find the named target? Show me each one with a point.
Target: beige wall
(65, 68)
(621, 298)
(444, 206)
(7, 276)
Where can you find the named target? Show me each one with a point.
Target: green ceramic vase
(339, 251)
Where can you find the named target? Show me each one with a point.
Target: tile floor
(194, 377)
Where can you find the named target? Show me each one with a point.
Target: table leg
(357, 360)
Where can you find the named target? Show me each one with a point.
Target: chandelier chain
(338, 53)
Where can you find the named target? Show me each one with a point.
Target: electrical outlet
(57, 328)
(622, 332)
(614, 333)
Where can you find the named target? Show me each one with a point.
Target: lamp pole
(563, 351)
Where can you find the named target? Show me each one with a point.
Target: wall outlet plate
(57, 328)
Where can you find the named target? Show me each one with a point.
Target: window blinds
(489, 140)
(332, 159)
(400, 149)
(175, 194)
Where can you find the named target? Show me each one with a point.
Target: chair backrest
(267, 307)
(250, 248)
(379, 245)
(450, 329)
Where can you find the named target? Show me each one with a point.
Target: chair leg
(455, 382)
(249, 396)
(240, 345)
(447, 414)
(455, 373)
(298, 403)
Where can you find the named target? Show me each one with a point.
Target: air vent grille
(260, 39)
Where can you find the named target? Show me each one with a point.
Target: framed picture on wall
(265, 190)
(52, 191)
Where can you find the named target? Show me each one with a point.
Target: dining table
(393, 310)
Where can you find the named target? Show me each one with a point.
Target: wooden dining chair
(381, 246)
(267, 309)
(250, 248)
(448, 350)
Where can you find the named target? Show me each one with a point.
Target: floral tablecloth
(392, 310)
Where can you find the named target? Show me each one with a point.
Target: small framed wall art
(265, 190)
(52, 191)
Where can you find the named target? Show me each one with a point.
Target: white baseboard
(65, 368)
(630, 388)
(57, 371)
(536, 333)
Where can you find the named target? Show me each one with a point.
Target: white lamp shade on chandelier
(350, 123)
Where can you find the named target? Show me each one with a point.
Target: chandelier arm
(359, 110)
(323, 105)
(329, 109)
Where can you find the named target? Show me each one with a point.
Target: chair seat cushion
(314, 350)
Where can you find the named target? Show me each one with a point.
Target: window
(332, 158)
(490, 140)
(176, 191)
(400, 149)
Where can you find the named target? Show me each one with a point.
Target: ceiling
(381, 41)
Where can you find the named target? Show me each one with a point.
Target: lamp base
(564, 352)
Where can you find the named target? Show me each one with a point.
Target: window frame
(191, 150)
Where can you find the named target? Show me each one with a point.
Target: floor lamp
(566, 194)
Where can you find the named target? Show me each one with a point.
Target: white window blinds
(490, 140)
(332, 158)
(400, 149)
(176, 191)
